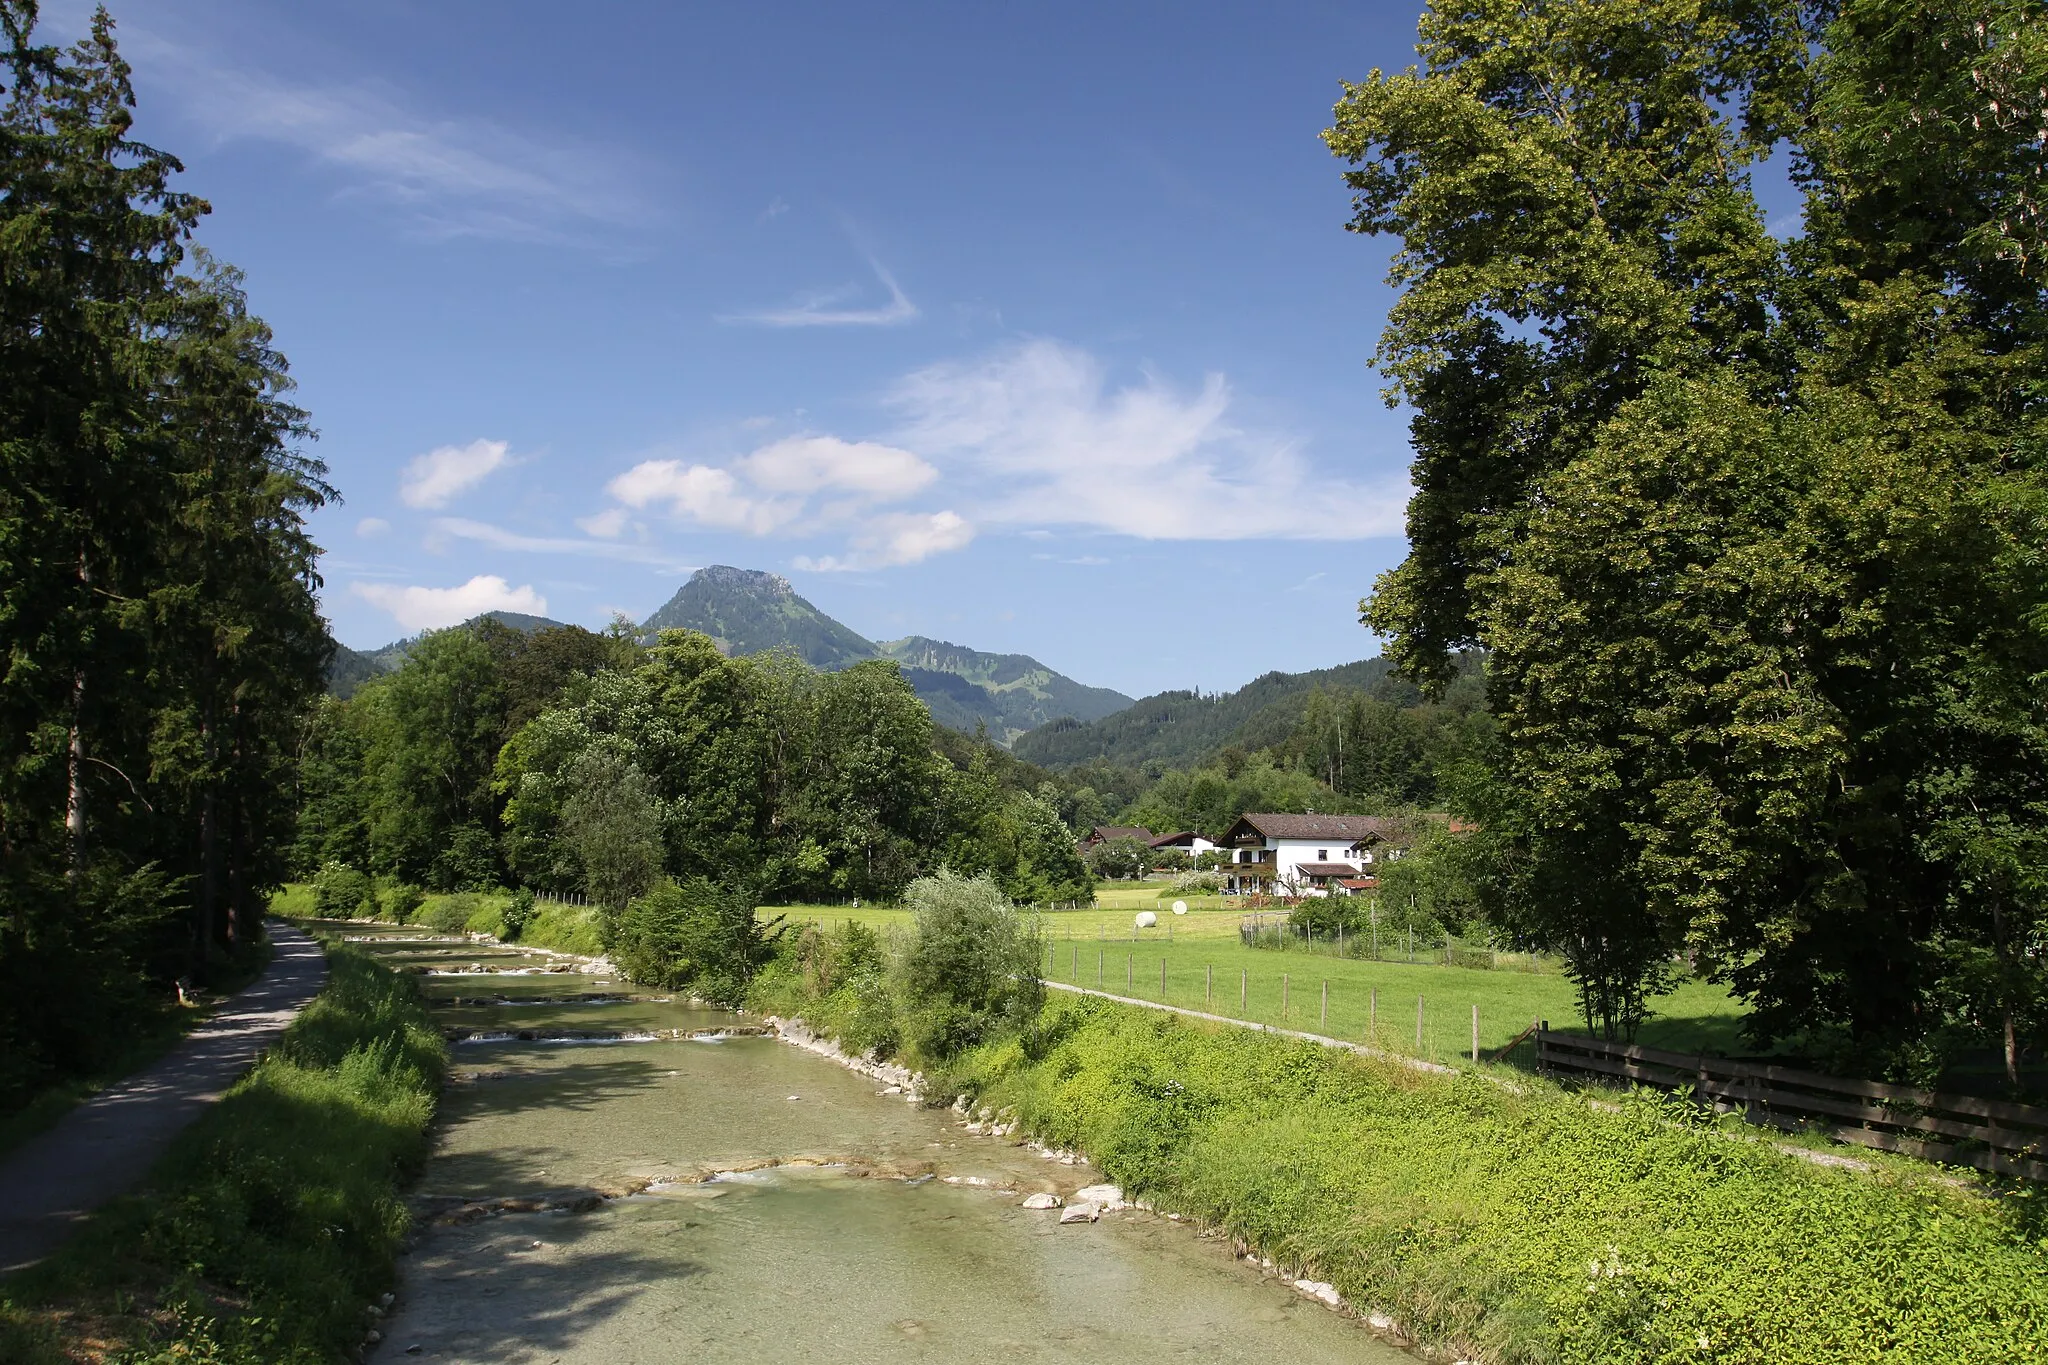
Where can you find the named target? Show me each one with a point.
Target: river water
(618, 1182)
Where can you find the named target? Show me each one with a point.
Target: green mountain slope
(1178, 728)
(1024, 692)
(750, 612)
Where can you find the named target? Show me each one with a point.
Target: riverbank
(1523, 1225)
(269, 1230)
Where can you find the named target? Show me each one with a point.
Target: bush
(449, 914)
(341, 892)
(517, 914)
(1119, 858)
(972, 968)
(1198, 884)
(402, 902)
(838, 980)
(698, 934)
(1172, 860)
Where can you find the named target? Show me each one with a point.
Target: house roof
(1186, 836)
(1103, 833)
(1337, 828)
(1359, 883)
(1327, 870)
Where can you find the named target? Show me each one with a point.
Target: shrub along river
(623, 1178)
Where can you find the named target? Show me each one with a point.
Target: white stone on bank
(1083, 1212)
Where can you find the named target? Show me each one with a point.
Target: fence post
(1099, 954)
(1209, 984)
(1243, 991)
(1418, 1026)
(1325, 1020)
(1162, 979)
(1283, 997)
(1475, 1033)
(1372, 1015)
(1129, 959)
(1077, 964)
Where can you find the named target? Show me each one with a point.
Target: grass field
(1208, 968)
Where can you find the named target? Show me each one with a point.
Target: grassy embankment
(563, 928)
(1516, 1223)
(273, 1221)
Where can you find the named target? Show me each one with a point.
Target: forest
(159, 604)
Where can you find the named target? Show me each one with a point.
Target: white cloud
(605, 524)
(811, 464)
(701, 493)
(432, 479)
(418, 608)
(370, 527)
(818, 310)
(1056, 445)
(896, 539)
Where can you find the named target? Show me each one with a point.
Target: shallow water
(856, 1226)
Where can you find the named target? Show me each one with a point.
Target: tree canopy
(1748, 521)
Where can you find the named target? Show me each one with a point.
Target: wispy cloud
(446, 174)
(433, 479)
(421, 608)
(822, 309)
(1051, 442)
(498, 538)
(897, 539)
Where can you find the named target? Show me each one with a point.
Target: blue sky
(1033, 328)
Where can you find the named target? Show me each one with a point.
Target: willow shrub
(1518, 1223)
(273, 1220)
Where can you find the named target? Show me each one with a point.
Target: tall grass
(275, 1219)
(1521, 1224)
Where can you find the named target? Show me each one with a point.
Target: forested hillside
(1180, 729)
(157, 583)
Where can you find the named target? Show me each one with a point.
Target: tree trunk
(74, 776)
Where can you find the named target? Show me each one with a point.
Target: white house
(1186, 840)
(1311, 855)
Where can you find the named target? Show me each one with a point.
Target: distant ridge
(351, 668)
(1180, 728)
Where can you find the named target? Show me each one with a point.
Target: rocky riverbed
(641, 1179)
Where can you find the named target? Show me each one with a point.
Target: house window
(1322, 855)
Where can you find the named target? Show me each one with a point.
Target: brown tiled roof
(1359, 883)
(1103, 833)
(1165, 839)
(1328, 870)
(1348, 828)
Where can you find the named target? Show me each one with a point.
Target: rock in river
(1041, 1201)
(1080, 1213)
(1111, 1197)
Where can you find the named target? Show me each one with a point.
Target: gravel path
(104, 1146)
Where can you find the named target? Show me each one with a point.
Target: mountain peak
(726, 578)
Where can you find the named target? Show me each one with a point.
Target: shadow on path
(102, 1148)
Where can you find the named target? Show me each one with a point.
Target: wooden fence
(1992, 1135)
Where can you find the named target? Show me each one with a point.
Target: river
(617, 1180)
